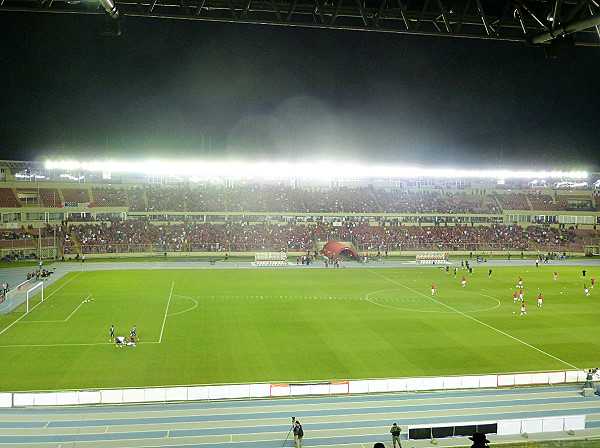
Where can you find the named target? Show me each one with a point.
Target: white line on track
(166, 311)
(477, 320)
(50, 295)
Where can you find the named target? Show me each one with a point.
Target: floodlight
(325, 170)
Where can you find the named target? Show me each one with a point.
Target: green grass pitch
(294, 325)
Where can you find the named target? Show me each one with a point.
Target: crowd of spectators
(286, 199)
(109, 197)
(143, 236)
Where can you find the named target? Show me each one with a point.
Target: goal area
(270, 259)
(35, 290)
(432, 258)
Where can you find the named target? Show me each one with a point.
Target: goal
(431, 258)
(34, 291)
(270, 259)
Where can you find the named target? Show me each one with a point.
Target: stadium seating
(8, 198)
(109, 197)
(513, 201)
(78, 195)
(50, 197)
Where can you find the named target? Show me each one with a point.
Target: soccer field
(294, 325)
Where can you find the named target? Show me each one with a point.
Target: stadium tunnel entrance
(334, 250)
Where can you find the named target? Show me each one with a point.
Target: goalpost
(32, 292)
(270, 259)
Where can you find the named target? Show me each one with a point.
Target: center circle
(407, 300)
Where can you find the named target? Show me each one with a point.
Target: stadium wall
(267, 390)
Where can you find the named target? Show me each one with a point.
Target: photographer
(298, 434)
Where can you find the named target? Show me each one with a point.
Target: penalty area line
(50, 295)
(478, 321)
(166, 311)
(90, 295)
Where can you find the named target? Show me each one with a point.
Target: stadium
(347, 298)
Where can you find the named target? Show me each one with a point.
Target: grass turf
(294, 324)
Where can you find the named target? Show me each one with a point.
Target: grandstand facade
(50, 213)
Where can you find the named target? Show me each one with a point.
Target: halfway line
(166, 311)
(476, 320)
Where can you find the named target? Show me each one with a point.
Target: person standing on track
(298, 434)
(395, 431)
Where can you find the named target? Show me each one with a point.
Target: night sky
(183, 89)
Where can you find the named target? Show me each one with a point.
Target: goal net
(270, 259)
(431, 258)
(15, 297)
(35, 290)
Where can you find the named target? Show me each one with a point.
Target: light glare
(317, 170)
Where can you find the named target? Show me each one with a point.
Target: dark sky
(180, 89)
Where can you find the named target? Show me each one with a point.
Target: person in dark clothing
(395, 431)
(479, 440)
(298, 434)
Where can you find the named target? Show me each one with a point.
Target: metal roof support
(567, 28)
(110, 7)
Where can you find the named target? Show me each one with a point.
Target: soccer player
(447, 270)
(521, 294)
(464, 281)
(523, 309)
(555, 275)
(490, 274)
(432, 289)
(132, 333)
(119, 341)
(516, 297)
(587, 292)
(112, 332)
(520, 282)
(455, 271)
(592, 280)
(583, 273)
(540, 300)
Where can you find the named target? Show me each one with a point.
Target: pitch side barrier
(15, 296)
(266, 390)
